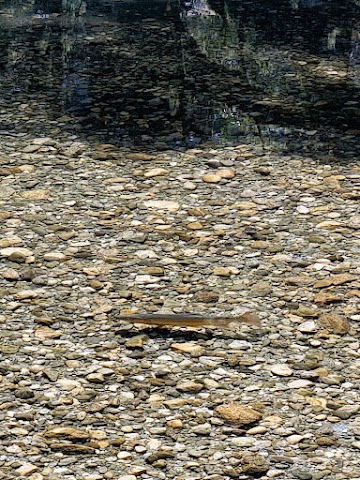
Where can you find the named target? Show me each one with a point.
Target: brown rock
(156, 172)
(225, 271)
(326, 297)
(226, 173)
(339, 279)
(206, 296)
(72, 448)
(325, 441)
(67, 432)
(192, 348)
(254, 464)
(153, 270)
(238, 414)
(342, 278)
(4, 215)
(194, 226)
(137, 341)
(189, 386)
(45, 332)
(211, 178)
(35, 194)
(259, 245)
(334, 323)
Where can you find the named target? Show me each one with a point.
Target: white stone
(54, 256)
(294, 439)
(170, 205)
(146, 254)
(189, 186)
(243, 441)
(67, 384)
(308, 326)
(302, 209)
(42, 141)
(146, 279)
(299, 383)
(281, 369)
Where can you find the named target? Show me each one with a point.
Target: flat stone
(189, 386)
(35, 194)
(281, 369)
(238, 414)
(67, 432)
(26, 469)
(324, 298)
(31, 148)
(10, 274)
(347, 411)
(299, 383)
(54, 257)
(45, 332)
(169, 205)
(10, 241)
(308, 326)
(72, 448)
(24, 252)
(192, 348)
(155, 172)
(225, 271)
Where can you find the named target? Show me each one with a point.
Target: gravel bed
(91, 231)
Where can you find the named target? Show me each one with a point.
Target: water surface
(176, 74)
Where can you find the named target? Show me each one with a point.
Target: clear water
(163, 74)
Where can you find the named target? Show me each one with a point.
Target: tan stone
(175, 424)
(72, 448)
(334, 323)
(67, 432)
(227, 173)
(189, 386)
(4, 215)
(192, 348)
(156, 172)
(137, 341)
(10, 241)
(238, 414)
(225, 271)
(211, 178)
(45, 332)
(35, 194)
(324, 297)
(175, 403)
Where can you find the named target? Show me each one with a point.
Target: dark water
(159, 74)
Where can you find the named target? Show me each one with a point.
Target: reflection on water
(163, 73)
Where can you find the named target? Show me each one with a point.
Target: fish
(191, 320)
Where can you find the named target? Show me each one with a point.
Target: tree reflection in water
(156, 74)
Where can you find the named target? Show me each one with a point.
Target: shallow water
(178, 74)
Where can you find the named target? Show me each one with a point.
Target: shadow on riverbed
(168, 75)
